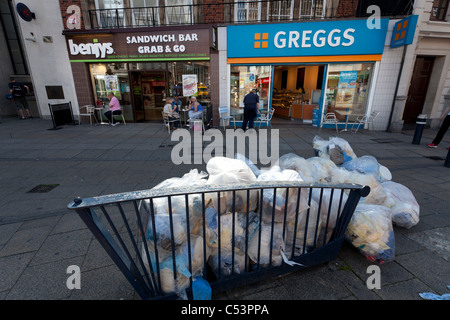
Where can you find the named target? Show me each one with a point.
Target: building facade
(306, 57)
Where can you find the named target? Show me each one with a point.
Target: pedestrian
(442, 130)
(251, 109)
(114, 109)
(19, 90)
(195, 109)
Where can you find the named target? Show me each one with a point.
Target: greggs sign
(350, 37)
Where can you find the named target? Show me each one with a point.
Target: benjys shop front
(142, 67)
(305, 70)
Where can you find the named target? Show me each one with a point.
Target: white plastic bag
(282, 207)
(226, 171)
(330, 209)
(277, 245)
(307, 231)
(244, 229)
(163, 234)
(403, 204)
(322, 169)
(336, 149)
(377, 193)
(165, 260)
(299, 164)
(370, 231)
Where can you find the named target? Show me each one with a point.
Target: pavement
(40, 238)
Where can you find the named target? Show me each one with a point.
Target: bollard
(447, 160)
(420, 124)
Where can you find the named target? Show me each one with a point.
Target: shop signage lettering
(319, 39)
(327, 38)
(100, 50)
(162, 38)
(163, 44)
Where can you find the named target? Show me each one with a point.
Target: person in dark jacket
(18, 91)
(251, 109)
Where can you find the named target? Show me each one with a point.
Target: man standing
(251, 109)
(19, 90)
(114, 109)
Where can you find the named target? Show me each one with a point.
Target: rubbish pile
(260, 229)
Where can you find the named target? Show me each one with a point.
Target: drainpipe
(396, 88)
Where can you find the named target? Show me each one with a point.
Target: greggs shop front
(141, 67)
(305, 70)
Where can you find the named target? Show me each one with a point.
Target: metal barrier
(231, 236)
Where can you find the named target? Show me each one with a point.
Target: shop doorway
(418, 89)
(297, 90)
(149, 92)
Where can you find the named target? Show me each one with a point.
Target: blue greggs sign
(403, 33)
(328, 38)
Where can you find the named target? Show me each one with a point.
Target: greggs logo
(100, 50)
(306, 39)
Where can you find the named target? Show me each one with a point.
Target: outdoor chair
(87, 111)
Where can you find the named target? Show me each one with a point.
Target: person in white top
(171, 114)
(442, 130)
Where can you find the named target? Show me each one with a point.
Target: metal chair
(330, 118)
(87, 111)
(366, 120)
(223, 114)
(265, 118)
(119, 115)
(200, 118)
(167, 121)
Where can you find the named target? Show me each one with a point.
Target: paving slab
(40, 238)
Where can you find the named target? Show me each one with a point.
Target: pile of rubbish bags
(259, 229)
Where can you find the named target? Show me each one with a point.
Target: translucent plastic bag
(370, 231)
(165, 259)
(282, 207)
(307, 232)
(365, 165)
(277, 245)
(226, 262)
(326, 148)
(226, 171)
(322, 169)
(403, 204)
(377, 193)
(292, 161)
(244, 229)
(161, 231)
(330, 209)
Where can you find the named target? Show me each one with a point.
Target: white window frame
(180, 10)
(146, 5)
(311, 11)
(273, 17)
(246, 9)
(112, 4)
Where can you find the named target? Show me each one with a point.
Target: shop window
(280, 10)
(179, 12)
(439, 10)
(145, 12)
(247, 11)
(243, 80)
(110, 18)
(348, 89)
(312, 9)
(112, 77)
(188, 79)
